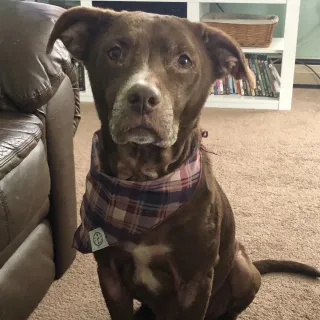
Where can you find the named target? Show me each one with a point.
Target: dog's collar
(121, 209)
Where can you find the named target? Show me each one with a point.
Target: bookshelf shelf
(285, 46)
(242, 102)
(277, 46)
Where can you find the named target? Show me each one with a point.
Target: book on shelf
(266, 92)
(268, 81)
(275, 76)
(241, 87)
(226, 86)
(230, 82)
(80, 75)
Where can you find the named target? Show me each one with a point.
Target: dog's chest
(120, 210)
(168, 258)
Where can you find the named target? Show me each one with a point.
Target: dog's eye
(115, 53)
(184, 61)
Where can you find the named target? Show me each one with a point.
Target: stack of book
(267, 79)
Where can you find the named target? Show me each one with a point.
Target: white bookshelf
(285, 46)
(276, 46)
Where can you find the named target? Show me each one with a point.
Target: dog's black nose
(143, 98)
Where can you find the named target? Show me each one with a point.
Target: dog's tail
(275, 266)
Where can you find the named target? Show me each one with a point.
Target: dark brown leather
(19, 134)
(39, 115)
(24, 180)
(30, 77)
(22, 288)
(61, 164)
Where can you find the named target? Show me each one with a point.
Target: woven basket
(250, 30)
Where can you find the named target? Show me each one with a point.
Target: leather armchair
(39, 115)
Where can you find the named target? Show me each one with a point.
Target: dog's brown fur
(191, 266)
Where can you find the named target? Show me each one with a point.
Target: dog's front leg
(118, 299)
(194, 306)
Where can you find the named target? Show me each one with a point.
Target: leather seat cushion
(24, 179)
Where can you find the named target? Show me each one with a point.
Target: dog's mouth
(141, 135)
(144, 132)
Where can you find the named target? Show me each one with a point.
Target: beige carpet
(269, 165)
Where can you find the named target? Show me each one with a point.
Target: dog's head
(150, 74)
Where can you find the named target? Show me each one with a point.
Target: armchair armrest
(61, 124)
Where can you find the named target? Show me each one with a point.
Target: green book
(266, 79)
(263, 59)
(255, 61)
(257, 90)
(269, 79)
(263, 80)
(269, 88)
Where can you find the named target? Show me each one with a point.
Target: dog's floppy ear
(226, 55)
(77, 28)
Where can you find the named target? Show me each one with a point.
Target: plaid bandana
(115, 210)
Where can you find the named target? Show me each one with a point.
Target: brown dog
(150, 77)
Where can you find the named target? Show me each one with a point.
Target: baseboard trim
(310, 62)
(307, 86)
